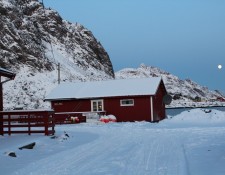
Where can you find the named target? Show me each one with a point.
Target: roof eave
(87, 98)
(6, 73)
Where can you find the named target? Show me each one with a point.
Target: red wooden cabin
(127, 99)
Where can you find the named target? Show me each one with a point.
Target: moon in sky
(219, 66)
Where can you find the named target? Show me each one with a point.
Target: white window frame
(121, 102)
(92, 108)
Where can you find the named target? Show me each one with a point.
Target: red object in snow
(77, 120)
(104, 119)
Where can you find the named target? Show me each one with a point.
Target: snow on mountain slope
(33, 41)
(184, 92)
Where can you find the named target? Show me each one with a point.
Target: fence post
(46, 116)
(53, 123)
(1, 109)
(29, 123)
(1, 125)
(9, 124)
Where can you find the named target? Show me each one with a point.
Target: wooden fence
(27, 121)
(74, 117)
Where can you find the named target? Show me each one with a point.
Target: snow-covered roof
(29, 110)
(7, 73)
(109, 88)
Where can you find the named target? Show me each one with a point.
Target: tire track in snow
(100, 161)
(119, 158)
(187, 170)
(86, 156)
(123, 150)
(164, 156)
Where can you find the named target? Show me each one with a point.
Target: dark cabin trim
(10, 75)
(7, 74)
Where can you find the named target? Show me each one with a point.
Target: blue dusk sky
(183, 37)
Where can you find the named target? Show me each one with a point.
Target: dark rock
(177, 96)
(3, 11)
(207, 110)
(53, 137)
(12, 154)
(67, 135)
(29, 146)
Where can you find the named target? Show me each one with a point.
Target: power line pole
(1, 96)
(58, 73)
(1, 109)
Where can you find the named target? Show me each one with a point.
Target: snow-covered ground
(192, 142)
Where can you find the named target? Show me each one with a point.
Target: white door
(97, 105)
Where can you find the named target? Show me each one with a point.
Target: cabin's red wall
(159, 112)
(139, 112)
(70, 106)
(81, 105)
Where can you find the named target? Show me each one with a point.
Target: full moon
(219, 66)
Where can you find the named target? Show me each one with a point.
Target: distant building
(127, 99)
(220, 99)
(6, 74)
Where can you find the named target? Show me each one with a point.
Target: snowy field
(191, 143)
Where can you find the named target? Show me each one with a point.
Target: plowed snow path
(134, 149)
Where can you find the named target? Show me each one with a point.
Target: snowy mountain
(34, 41)
(184, 92)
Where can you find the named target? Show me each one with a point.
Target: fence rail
(70, 117)
(29, 121)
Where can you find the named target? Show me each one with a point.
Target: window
(127, 102)
(97, 105)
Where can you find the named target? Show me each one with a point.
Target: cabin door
(97, 105)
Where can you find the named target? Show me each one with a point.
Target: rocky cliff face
(184, 92)
(34, 40)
